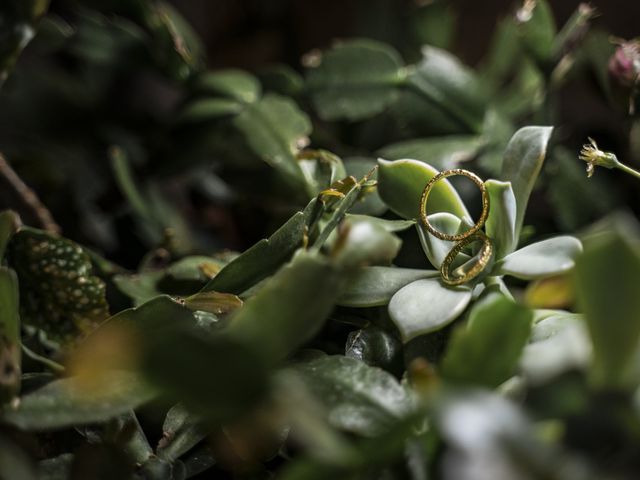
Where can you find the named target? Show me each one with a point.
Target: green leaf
(374, 286)
(445, 82)
(435, 248)
(388, 225)
(9, 223)
(140, 287)
(15, 463)
(355, 80)
(538, 29)
(606, 277)
(425, 306)
(559, 343)
(522, 163)
(441, 152)
(182, 430)
(501, 222)
(360, 399)
(262, 259)
(364, 243)
(208, 109)
(494, 323)
(542, 259)
(10, 361)
(274, 128)
(290, 309)
(68, 402)
(401, 182)
(234, 85)
(59, 292)
(370, 203)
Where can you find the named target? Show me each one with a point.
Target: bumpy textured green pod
(58, 292)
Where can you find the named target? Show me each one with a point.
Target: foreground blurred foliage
(134, 344)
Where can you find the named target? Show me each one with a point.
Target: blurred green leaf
(537, 29)
(310, 285)
(140, 287)
(233, 85)
(358, 398)
(388, 225)
(471, 357)
(68, 402)
(15, 463)
(401, 182)
(370, 203)
(374, 286)
(606, 277)
(10, 360)
(355, 80)
(445, 82)
(425, 306)
(363, 243)
(501, 222)
(542, 259)
(440, 152)
(522, 163)
(181, 431)
(282, 79)
(275, 128)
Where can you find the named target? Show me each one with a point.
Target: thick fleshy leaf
(262, 259)
(444, 81)
(401, 182)
(67, 402)
(542, 259)
(441, 152)
(10, 368)
(495, 322)
(355, 80)
(310, 285)
(559, 343)
(364, 243)
(435, 248)
(523, 160)
(501, 222)
(426, 306)
(607, 276)
(360, 399)
(374, 286)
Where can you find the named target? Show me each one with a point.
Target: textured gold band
(485, 204)
(482, 259)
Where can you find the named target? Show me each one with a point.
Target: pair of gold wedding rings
(474, 234)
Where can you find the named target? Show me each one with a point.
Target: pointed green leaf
(542, 259)
(435, 248)
(441, 152)
(501, 222)
(426, 306)
(494, 323)
(522, 163)
(401, 182)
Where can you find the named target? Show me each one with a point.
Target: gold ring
(483, 258)
(485, 205)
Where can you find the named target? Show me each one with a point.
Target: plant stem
(28, 197)
(629, 170)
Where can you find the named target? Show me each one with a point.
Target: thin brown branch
(27, 196)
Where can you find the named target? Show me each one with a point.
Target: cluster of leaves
(330, 348)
